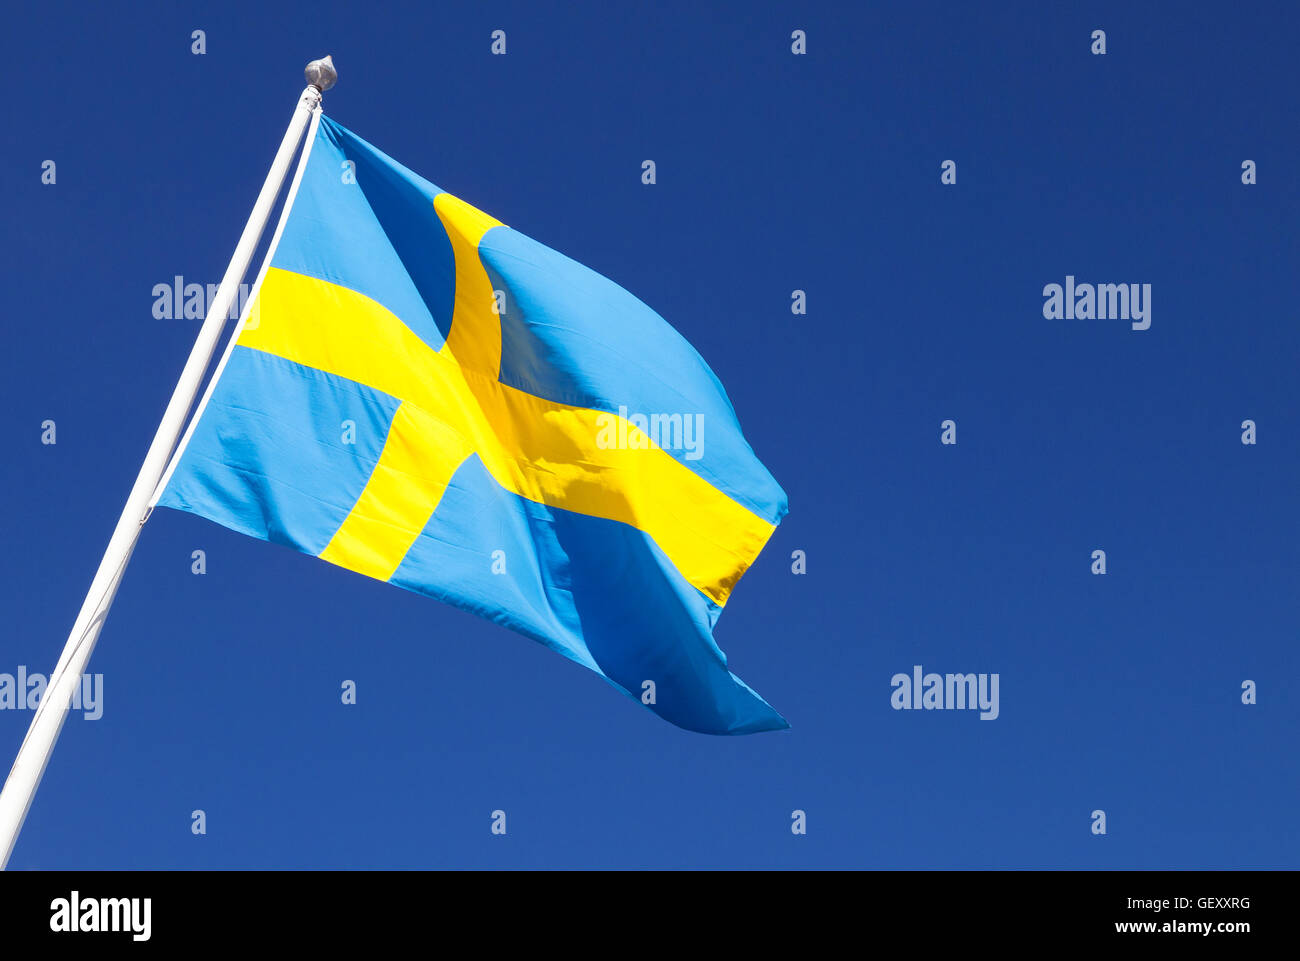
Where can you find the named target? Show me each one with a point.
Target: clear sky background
(775, 172)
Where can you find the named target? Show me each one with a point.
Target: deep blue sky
(775, 172)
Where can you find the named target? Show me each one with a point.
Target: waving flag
(425, 396)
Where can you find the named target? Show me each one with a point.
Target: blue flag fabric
(426, 396)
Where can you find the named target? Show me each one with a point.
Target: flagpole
(38, 744)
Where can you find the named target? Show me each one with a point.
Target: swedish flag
(425, 396)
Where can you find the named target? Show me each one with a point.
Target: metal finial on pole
(321, 73)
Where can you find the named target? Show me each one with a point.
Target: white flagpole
(38, 744)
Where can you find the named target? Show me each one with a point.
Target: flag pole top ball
(321, 74)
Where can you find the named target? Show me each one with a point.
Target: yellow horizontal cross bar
(453, 405)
